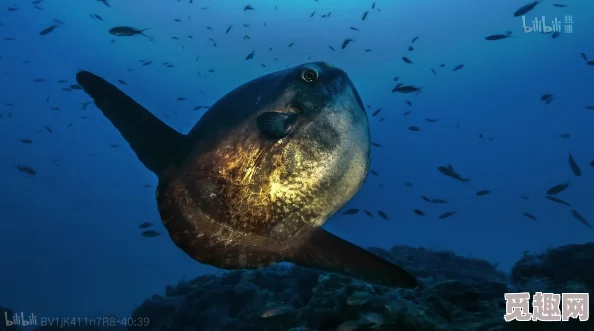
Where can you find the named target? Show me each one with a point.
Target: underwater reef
(457, 293)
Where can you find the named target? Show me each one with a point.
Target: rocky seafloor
(457, 293)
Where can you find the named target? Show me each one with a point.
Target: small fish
(104, 2)
(414, 39)
(145, 225)
(122, 82)
(435, 200)
(574, 167)
(248, 7)
(48, 29)
(376, 112)
(126, 31)
(557, 200)
(354, 28)
(546, 96)
(414, 128)
(526, 8)
(376, 144)
(580, 218)
(312, 14)
(407, 60)
(431, 120)
(410, 48)
(560, 5)
(373, 172)
(229, 28)
(150, 233)
(251, 55)
(383, 215)
(27, 170)
(447, 214)
(482, 192)
(450, 172)
(26, 141)
(555, 34)
(408, 102)
(498, 37)
(530, 216)
(346, 42)
(564, 135)
(351, 211)
(592, 163)
(557, 189)
(364, 16)
(368, 213)
(590, 107)
(332, 48)
(458, 67)
(433, 71)
(401, 88)
(418, 212)
(291, 44)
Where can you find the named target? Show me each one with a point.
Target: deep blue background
(69, 237)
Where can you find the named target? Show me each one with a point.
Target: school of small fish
(121, 32)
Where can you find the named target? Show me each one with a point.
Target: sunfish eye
(310, 75)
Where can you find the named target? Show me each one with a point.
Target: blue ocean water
(69, 234)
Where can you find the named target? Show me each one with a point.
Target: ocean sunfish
(263, 169)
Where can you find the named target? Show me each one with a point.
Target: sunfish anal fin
(327, 252)
(154, 142)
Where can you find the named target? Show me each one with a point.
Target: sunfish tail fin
(154, 142)
(327, 252)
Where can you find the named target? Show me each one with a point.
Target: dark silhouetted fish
(351, 211)
(126, 31)
(48, 29)
(27, 170)
(346, 42)
(458, 67)
(383, 215)
(447, 214)
(145, 225)
(580, 218)
(526, 8)
(557, 200)
(450, 172)
(482, 192)
(530, 216)
(574, 166)
(150, 234)
(418, 212)
(557, 189)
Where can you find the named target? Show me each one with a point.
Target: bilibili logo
(540, 25)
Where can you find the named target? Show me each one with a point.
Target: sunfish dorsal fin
(327, 252)
(154, 142)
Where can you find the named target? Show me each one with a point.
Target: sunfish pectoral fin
(276, 125)
(327, 252)
(153, 141)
